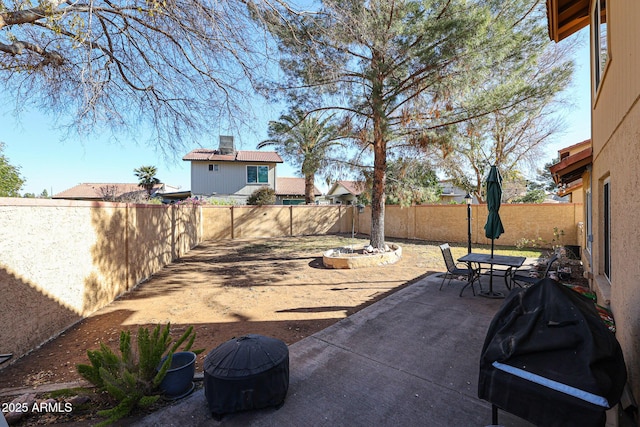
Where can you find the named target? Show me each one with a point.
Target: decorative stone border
(333, 258)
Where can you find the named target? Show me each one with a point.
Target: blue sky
(48, 162)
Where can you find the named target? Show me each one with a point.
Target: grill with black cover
(550, 359)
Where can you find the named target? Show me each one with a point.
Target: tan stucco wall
(577, 196)
(311, 220)
(61, 260)
(616, 156)
(217, 222)
(448, 223)
(261, 221)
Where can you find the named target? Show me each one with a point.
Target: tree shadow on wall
(133, 242)
(109, 277)
(28, 317)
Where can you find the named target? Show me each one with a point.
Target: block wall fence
(62, 260)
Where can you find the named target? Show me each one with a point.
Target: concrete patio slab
(411, 359)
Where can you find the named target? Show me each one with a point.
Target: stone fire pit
(348, 257)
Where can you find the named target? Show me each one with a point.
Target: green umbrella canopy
(493, 228)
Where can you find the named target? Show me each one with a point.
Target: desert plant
(262, 196)
(524, 243)
(558, 239)
(133, 378)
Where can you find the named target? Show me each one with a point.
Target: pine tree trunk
(379, 164)
(378, 195)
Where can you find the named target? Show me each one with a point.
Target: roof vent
(226, 145)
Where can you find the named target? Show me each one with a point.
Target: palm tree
(304, 139)
(147, 177)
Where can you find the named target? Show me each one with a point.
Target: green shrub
(262, 196)
(133, 378)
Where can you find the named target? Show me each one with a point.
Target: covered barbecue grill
(549, 358)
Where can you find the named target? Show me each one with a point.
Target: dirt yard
(225, 289)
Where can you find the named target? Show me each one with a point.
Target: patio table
(511, 262)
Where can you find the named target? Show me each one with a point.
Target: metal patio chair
(455, 270)
(526, 280)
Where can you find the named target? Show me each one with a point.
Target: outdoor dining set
(473, 266)
(470, 268)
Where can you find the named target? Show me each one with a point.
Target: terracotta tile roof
(205, 154)
(293, 187)
(258, 156)
(98, 191)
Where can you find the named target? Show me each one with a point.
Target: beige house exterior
(574, 163)
(610, 182)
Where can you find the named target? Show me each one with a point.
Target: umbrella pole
(491, 272)
(490, 293)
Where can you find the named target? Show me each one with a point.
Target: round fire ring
(344, 258)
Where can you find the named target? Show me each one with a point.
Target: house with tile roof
(229, 173)
(112, 192)
(345, 192)
(290, 191)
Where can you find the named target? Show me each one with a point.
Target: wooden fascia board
(575, 26)
(570, 164)
(565, 21)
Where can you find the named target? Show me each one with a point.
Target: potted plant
(178, 381)
(131, 377)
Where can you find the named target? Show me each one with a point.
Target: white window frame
(257, 168)
(600, 41)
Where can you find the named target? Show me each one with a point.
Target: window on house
(606, 230)
(600, 43)
(257, 174)
(214, 168)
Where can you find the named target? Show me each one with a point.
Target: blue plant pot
(179, 379)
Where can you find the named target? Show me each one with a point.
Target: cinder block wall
(62, 260)
(448, 223)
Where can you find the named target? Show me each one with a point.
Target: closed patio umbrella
(493, 228)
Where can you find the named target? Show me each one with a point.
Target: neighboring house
(290, 191)
(345, 192)
(452, 193)
(610, 183)
(567, 173)
(230, 173)
(112, 192)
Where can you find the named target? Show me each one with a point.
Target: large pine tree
(401, 71)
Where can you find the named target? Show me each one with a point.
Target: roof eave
(566, 19)
(570, 167)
